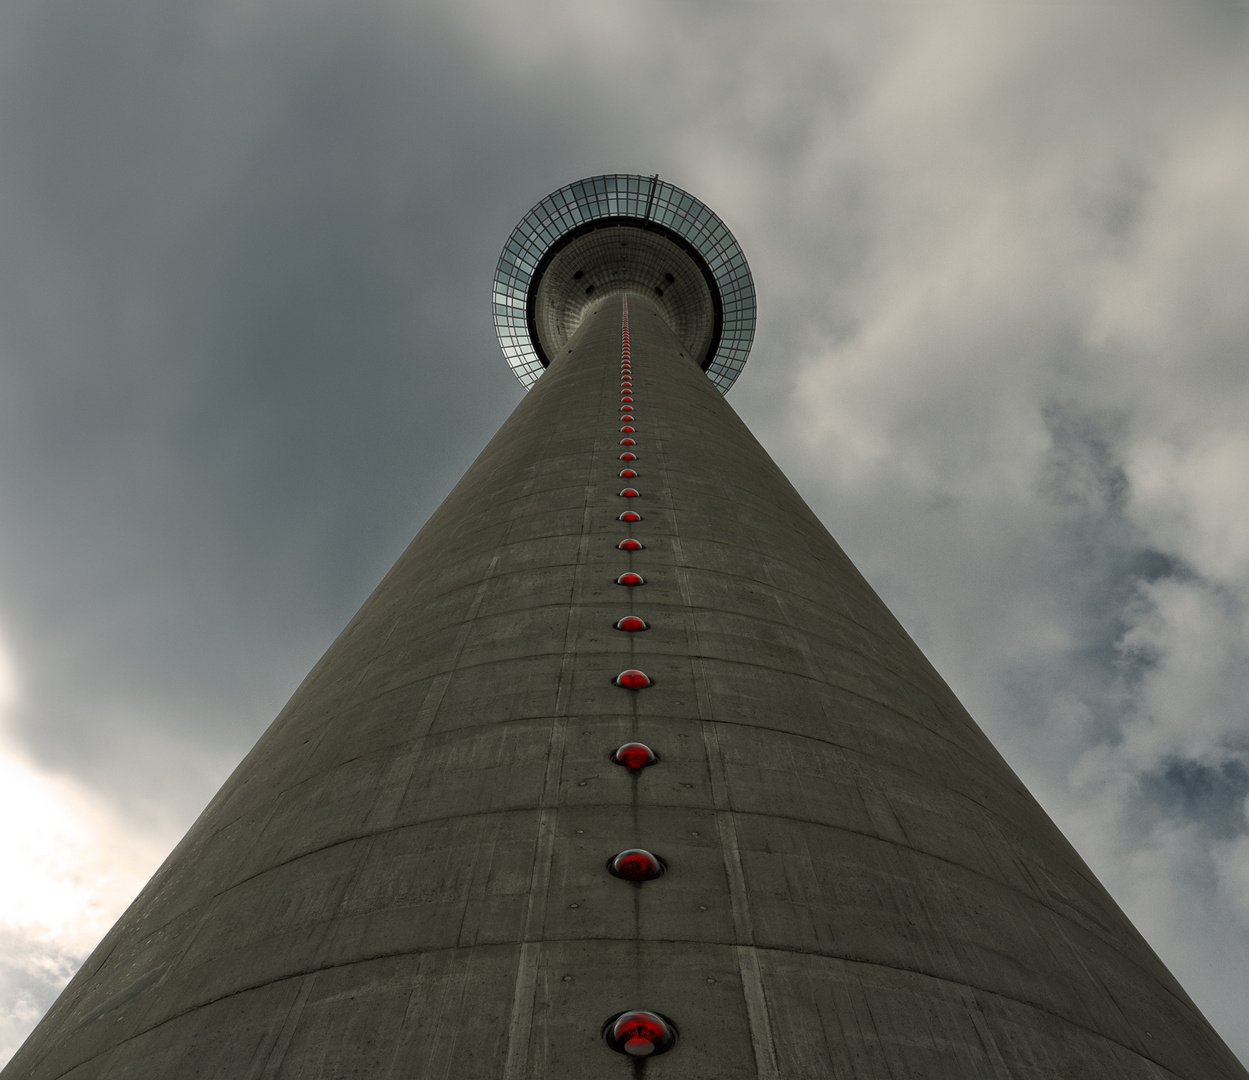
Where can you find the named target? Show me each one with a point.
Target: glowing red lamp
(628, 474)
(640, 1033)
(626, 456)
(632, 679)
(629, 493)
(630, 515)
(632, 624)
(635, 865)
(635, 755)
(630, 545)
(628, 442)
(630, 579)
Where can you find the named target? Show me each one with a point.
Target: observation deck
(615, 233)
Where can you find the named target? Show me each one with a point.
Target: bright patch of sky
(70, 867)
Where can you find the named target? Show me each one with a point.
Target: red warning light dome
(628, 442)
(629, 493)
(626, 408)
(630, 515)
(626, 429)
(635, 865)
(630, 545)
(632, 624)
(630, 579)
(632, 679)
(635, 755)
(640, 1033)
(628, 474)
(626, 456)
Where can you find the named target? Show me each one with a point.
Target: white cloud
(70, 868)
(1021, 404)
(1193, 500)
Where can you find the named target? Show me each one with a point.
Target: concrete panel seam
(757, 1017)
(520, 1023)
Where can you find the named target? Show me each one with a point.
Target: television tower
(623, 769)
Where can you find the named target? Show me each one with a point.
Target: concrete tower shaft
(407, 876)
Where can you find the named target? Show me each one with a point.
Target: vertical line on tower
(744, 949)
(524, 994)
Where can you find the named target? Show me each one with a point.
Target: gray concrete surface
(405, 878)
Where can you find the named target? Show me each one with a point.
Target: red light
(636, 865)
(628, 430)
(635, 755)
(626, 398)
(626, 456)
(630, 545)
(628, 474)
(626, 408)
(630, 579)
(629, 493)
(625, 418)
(628, 442)
(632, 624)
(632, 679)
(640, 1033)
(630, 515)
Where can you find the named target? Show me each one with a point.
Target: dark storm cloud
(247, 341)
(1212, 796)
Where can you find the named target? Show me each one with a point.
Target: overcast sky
(1002, 256)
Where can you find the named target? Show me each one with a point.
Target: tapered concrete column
(406, 878)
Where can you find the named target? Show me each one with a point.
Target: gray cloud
(1213, 796)
(245, 350)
